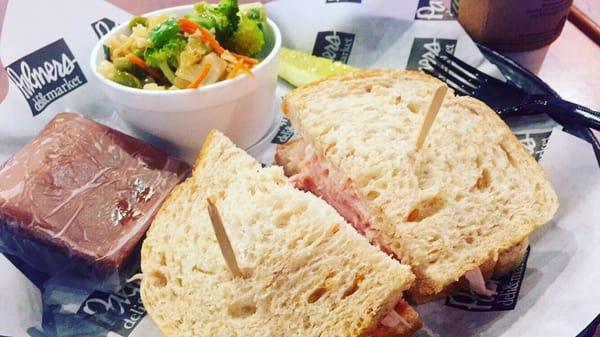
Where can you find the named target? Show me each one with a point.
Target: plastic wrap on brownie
(79, 197)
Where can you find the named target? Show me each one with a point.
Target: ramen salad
(211, 44)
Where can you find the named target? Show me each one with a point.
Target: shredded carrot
(137, 61)
(187, 25)
(203, 73)
(247, 59)
(245, 69)
(234, 70)
(157, 75)
(210, 39)
(237, 67)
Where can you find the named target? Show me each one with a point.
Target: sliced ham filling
(315, 175)
(309, 172)
(477, 283)
(320, 178)
(401, 321)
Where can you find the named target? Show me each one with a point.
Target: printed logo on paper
(46, 75)
(425, 50)
(334, 45)
(535, 141)
(507, 289)
(334, 1)
(432, 10)
(119, 312)
(285, 132)
(103, 26)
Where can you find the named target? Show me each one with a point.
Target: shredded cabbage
(123, 45)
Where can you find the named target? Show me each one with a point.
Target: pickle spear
(299, 68)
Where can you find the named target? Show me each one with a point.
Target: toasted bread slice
(474, 189)
(308, 273)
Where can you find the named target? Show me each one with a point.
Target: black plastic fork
(505, 98)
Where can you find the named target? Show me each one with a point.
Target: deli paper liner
(560, 291)
(45, 23)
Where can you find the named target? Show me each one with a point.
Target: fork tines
(460, 76)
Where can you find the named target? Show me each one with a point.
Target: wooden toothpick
(223, 239)
(434, 107)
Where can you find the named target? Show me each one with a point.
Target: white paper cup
(242, 108)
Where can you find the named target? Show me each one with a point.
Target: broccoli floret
(166, 56)
(223, 17)
(254, 11)
(164, 32)
(248, 39)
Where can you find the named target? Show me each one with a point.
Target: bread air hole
(283, 219)
(482, 182)
(433, 255)
(162, 259)
(158, 279)
(413, 215)
(311, 238)
(478, 161)
(316, 294)
(354, 287)
(198, 269)
(301, 209)
(473, 111)
(425, 209)
(509, 157)
(306, 322)
(414, 107)
(330, 149)
(334, 229)
(350, 153)
(368, 88)
(372, 195)
(434, 238)
(398, 100)
(242, 308)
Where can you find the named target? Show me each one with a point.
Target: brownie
(81, 192)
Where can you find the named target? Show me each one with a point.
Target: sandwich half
(307, 272)
(456, 211)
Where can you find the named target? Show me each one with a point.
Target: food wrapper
(555, 292)
(76, 201)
